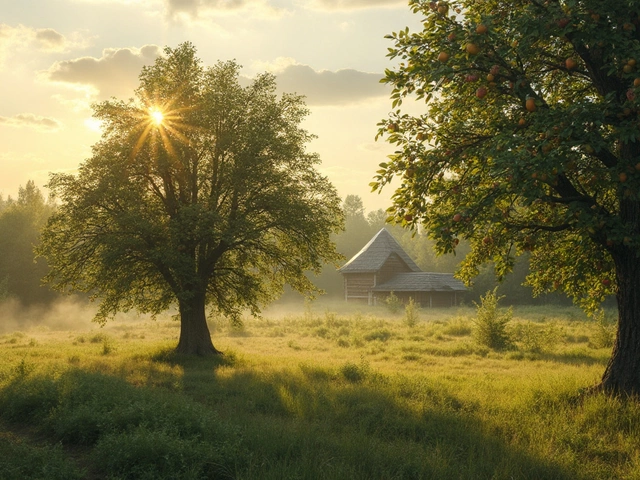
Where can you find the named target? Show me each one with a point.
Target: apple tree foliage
(199, 193)
(529, 141)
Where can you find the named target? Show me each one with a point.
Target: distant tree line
(21, 222)
(361, 226)
(21, 273)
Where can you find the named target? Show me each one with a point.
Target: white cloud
(275, 67)
(115, 73)
(123, 2)
(341, 87)
(21, 38)
(31, 120)
(352, 4)
(198, 9)
(49, 39)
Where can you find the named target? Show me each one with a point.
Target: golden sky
(59, 56)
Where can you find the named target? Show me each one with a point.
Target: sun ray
(141, 140)
(163, 124)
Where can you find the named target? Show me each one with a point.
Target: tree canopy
(529, 142)
(21, 221)
(200, 192)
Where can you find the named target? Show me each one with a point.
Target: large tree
(529, 141)
(200, 192)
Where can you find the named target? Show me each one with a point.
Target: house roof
(373, 255)
(421, 282)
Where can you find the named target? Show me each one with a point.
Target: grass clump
(457, 328)
(491, 324)
(145, 453)
(125, 425)
(355, 373)
(605, 333)
(21, 460)
(537, 338)
(380, 334)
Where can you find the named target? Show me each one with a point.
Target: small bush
(98, 338)
(355, 373)
(605, 332)
(393, 303)
(322, 332)
(21, 461)
(382, 335)
(411, 314)
(108, 346)
(537, 338)
(491, 325)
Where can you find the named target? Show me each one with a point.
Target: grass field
(325, 392)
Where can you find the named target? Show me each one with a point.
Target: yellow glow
(157, 116)
(93, 124)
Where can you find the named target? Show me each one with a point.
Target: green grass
(330, 394)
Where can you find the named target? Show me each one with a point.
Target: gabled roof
(373, 255)
(421, 282)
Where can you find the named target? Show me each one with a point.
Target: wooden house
(382, 267)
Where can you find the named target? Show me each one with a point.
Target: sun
(156, 116)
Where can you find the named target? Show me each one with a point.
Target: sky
(57, 57)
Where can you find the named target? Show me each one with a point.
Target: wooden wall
(358, 285)
(425, 299)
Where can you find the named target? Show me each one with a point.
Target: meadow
(327, 391)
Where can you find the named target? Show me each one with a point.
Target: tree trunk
(622, 375)
(195, 338)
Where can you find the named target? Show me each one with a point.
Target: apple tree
(528, 141)
(199, 193)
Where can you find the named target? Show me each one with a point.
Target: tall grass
(362, 395)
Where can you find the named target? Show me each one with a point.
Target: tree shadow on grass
(351, 423)
(229, 419)
(574, 358)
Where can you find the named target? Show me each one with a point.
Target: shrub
(21, 460)
(98, 338)
(322, 332)
(381, 334)
(355, 373)
(605, 332)
(491, 324)
(108, 346)
(537, 338)
(393, 303)
(411, 315)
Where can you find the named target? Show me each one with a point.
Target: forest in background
(22, 219)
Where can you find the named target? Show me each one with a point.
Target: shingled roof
(421, 282)
(373, 255)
